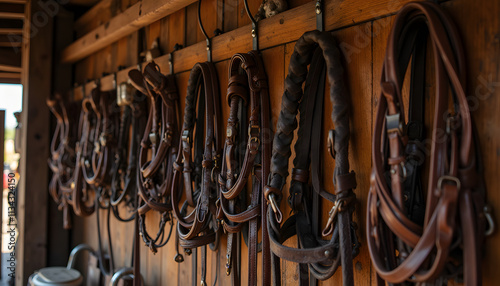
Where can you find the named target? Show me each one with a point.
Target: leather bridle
(154, 176)
(132, 125)
(62, 149)
(246, 157)
(409, 239)
(196, 174)
(318, 258)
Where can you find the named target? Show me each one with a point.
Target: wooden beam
(11, 44)
(14, 75)
(90, 16)
(285, 27)
(137, 16)
(7, 68)
(14, 1)
(31, 247)
(11, 15)
(6, 31)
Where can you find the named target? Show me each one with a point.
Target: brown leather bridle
(197, 174)
(62, 149)
(442, 239)
(247, 153)
(154, 176)
(318, 258)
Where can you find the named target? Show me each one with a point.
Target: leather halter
(318, 258)
(245, 141)
(62, 149)
(197, 177)
(448, 234)
(154, 176)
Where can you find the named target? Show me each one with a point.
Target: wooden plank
(191, 24)
(11, 44)
(11, 15)
(131, 20)
(7, 68)
(98, 15)
(11, 31)
(286, 27)
(10, 57)
(483, 94)
(32, 200)
(12, 75)
(14, 1)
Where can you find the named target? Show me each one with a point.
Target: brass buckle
(250, 129)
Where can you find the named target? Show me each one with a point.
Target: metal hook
(171, 57)
(209, 44)
(320, 20)
(255, 34)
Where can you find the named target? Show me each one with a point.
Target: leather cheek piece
(345, 182)
(300, 175)
(239, 90)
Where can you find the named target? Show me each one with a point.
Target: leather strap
(319, 257)
(439, 240)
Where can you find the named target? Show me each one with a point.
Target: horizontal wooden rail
(137, 16)
(7, 68)
(11, 15)
(6, 31)
(10, 75)
(14, 1)
(283, 28)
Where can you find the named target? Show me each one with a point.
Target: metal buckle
(444, 178)
(331, 143)
(489, 218)
(250, 129)
(185, 136)
(393, 123)
(152, 138)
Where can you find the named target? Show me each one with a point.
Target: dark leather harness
(410, 239)
(63, 155)
(318, 258)
(154, 176)
(246, 157)
(197, 174)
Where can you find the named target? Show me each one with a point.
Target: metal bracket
(320, 19)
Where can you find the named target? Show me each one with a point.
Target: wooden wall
(363, 41)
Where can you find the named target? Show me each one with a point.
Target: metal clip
(272, 200)
(331, 143)
(489, 218)
(331, 217)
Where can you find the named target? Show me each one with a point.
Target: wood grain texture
(132, 19)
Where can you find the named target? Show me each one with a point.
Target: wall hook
(320, 19)
(209, 43)
(255, 33)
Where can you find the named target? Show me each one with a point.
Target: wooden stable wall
(361, 28)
